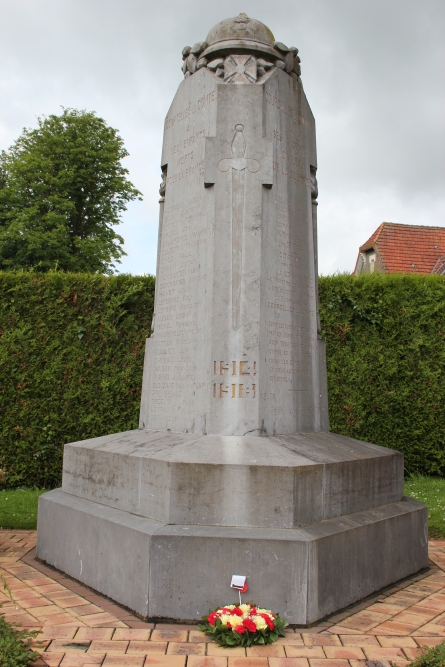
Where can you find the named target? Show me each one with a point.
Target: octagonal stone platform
(271, 482)
(159, 521)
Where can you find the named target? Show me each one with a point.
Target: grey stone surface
(180, 572)
(296, 571)
(235, 345)
(233, 470)
(353, 556)
(275, 482)
(102, 547)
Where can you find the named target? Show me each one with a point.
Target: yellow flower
(245, 608)
(266, 611)
(259, 622)
(228, 618)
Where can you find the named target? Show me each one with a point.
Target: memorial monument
(233, 469)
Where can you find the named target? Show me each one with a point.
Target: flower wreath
(243, 625)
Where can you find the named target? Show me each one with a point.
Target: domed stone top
(241, 27)
(240, 50)
(241, 33)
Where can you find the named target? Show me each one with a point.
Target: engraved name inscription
(190, 110)
(290, 173)
(289, 111)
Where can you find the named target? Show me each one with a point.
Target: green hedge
(385, 338)
(71, 357)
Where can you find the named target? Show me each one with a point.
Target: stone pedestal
(233, 470)
(160, 521)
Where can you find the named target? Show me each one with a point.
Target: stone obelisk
(236, 302)
(233, 469)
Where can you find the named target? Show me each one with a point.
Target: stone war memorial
(233, 469)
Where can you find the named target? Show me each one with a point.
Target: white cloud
(372, 71)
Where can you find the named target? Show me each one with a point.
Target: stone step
(181, 571)
(270, 482)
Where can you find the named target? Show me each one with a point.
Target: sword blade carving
(238, 185)
(238, 164)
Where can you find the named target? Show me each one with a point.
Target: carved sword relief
(238, 164)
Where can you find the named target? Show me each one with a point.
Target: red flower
(229, 625)
(237, 611)
(253, 611)
(240, 629)
(270, 623)
(249, 624)
(212, 617)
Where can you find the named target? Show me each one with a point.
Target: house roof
(408, 248)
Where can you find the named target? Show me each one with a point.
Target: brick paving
(80, 628)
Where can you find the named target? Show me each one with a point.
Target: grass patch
(434, 657)
(18, 508)
(431, 492)
(16, 644)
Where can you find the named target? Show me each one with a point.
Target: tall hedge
(71, 357)
(385, 338)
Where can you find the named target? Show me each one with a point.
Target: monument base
(316, 522)
(180, 572)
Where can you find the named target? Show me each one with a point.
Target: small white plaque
(238, 581)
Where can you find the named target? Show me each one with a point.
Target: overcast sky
(373, 72)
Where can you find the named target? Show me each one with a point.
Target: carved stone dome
(242, 34)
(240, 27)
(240, 50)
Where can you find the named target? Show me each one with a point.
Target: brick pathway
(83, 629)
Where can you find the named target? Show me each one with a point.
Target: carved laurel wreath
(241, 68)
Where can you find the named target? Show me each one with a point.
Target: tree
(62, 189)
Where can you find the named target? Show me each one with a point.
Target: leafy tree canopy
(62, 189)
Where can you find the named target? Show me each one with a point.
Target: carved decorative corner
(314, 185)
(267, 163)
(163, 184)
(209, 161)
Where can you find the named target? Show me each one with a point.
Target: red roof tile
(408, 248)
